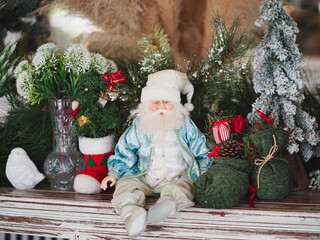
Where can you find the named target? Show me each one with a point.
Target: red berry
(216, 154)
(209, 155)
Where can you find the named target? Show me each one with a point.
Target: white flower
(45, 56)
(20, 68)
(77, 59)
(102, 65)
(24, 84)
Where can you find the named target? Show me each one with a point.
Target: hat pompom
(188, 106)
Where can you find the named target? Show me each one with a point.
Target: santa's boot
(96, 152)
(135, 218)
(163, 208)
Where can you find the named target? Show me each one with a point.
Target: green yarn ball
(274, 179)
(263, 140)
(222, 186)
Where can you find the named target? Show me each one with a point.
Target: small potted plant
(96, 111)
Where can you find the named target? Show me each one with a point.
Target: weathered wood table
(66, 214)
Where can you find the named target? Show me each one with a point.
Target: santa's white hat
(167, 85)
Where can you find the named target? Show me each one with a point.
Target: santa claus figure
(161, 153)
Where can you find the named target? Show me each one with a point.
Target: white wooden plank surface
(76, 216)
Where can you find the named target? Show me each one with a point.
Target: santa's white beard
(159, 122)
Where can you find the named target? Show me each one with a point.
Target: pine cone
(231, 149)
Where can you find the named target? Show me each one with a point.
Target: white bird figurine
(21, 170)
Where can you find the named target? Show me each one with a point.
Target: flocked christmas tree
(278, 78)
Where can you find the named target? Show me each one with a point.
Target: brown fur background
(186, 22)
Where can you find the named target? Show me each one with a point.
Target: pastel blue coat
(133, 153)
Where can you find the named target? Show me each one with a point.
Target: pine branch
(156, 52)
(222, 80)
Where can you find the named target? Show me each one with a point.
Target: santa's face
(159, 116)
(160, 106)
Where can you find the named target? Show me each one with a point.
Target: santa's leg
(128, 200)
(174, 197)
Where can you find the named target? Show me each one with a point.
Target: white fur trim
(154, 93)
(95, 146)
(188, 106)
(86, 184)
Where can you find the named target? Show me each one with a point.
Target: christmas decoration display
(278, 79)
(271, 176)
(21, 171)
(222, 80)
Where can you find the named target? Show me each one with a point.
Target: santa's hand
(202, 172)
(112, 179)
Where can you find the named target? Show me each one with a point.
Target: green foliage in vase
(54, 73)
(223, 79)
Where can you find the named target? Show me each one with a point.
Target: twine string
(261, 162)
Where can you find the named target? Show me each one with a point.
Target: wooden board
(66, 214)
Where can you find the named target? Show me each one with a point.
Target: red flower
(238, 124)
